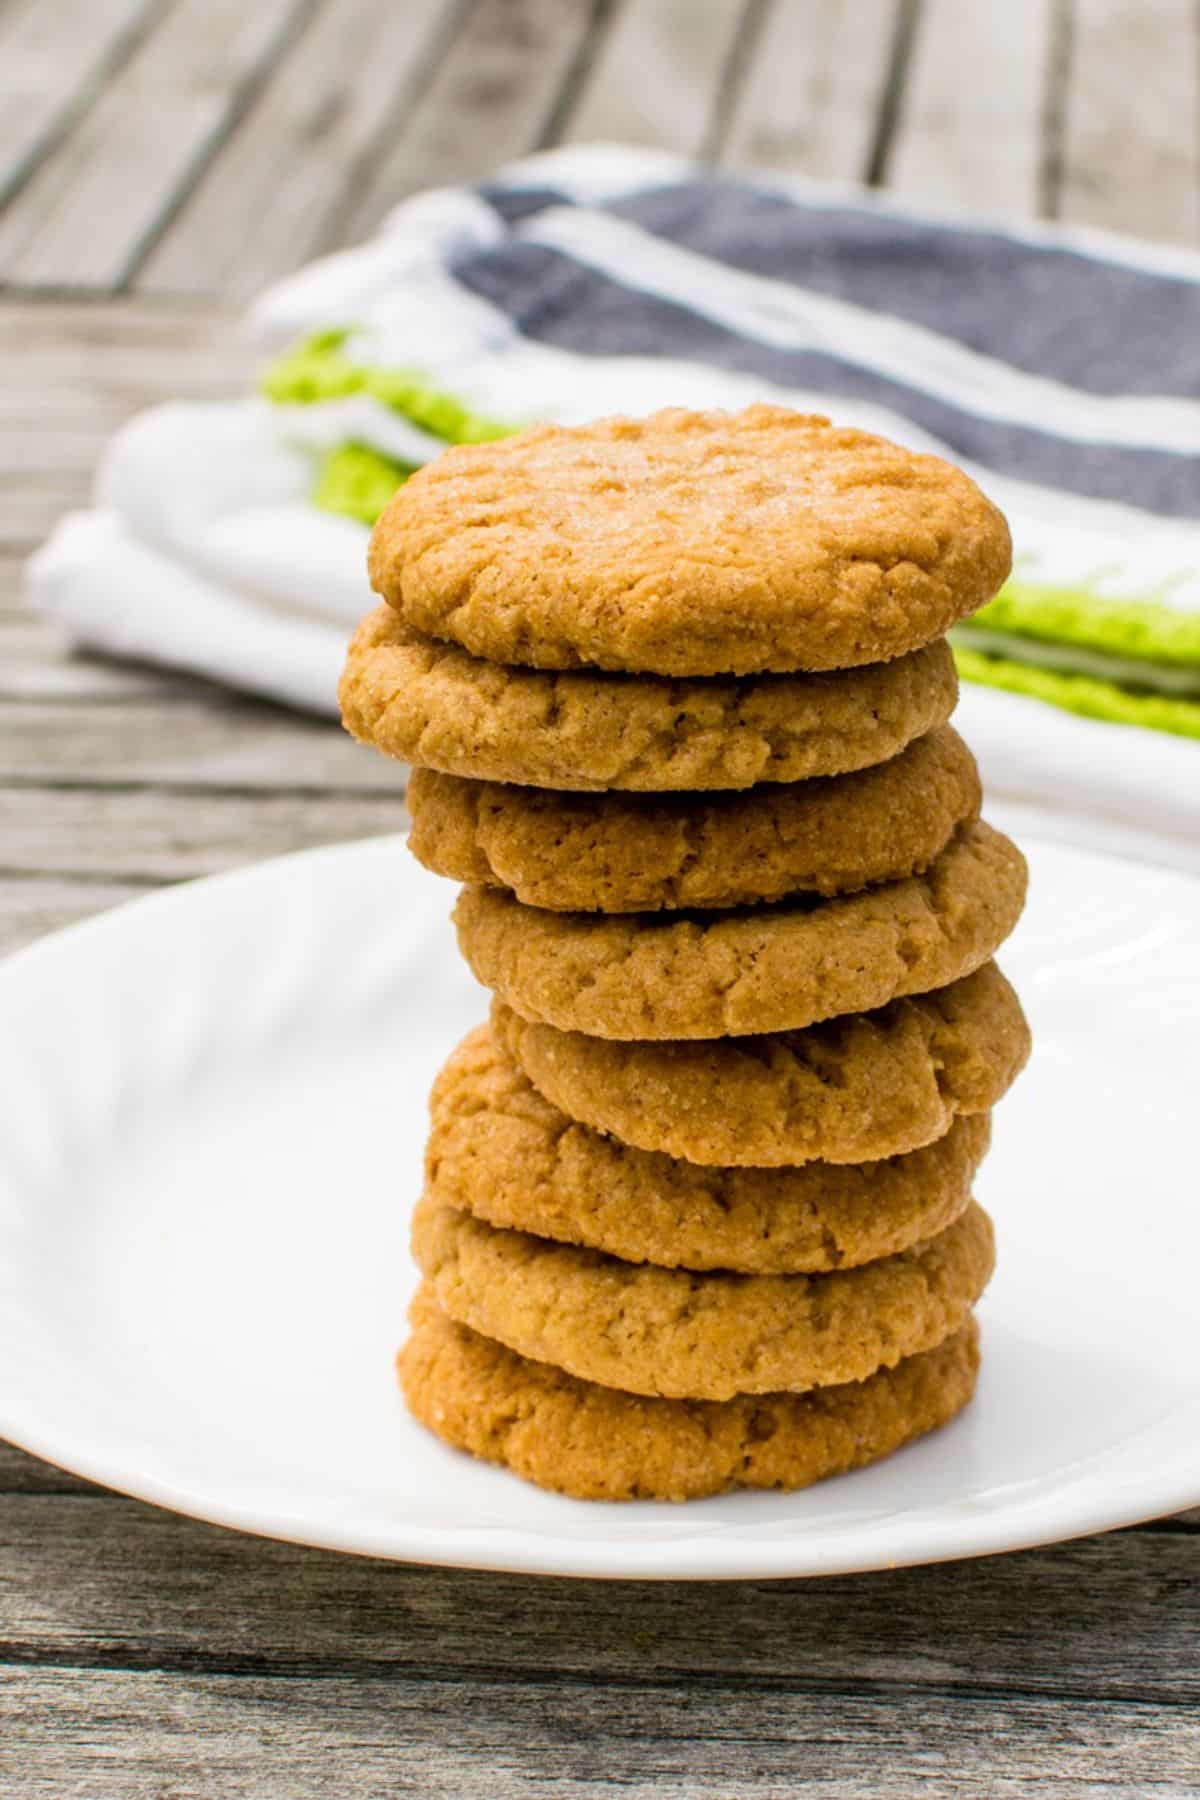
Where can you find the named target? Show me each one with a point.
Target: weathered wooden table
(159, 161)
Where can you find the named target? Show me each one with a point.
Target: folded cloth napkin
(1059, 367)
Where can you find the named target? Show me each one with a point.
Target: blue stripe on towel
(1104, 327)
(557, 300)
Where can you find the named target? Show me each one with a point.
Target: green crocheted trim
(1177, 679)
(358, 482)
(1082, 694)
(1142, 630)
(317, 370)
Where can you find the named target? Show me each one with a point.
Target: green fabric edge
(1143, 630)
(317, 370)
(1179, 681)
(357, 482)
(1082, 694)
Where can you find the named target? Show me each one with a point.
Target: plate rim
(704, 1558)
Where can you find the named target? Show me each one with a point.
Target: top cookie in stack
(677, 695)
(690, 544)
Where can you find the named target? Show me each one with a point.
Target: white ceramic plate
(213, 1114)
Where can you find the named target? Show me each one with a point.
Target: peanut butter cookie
(595, 1443)
(693, 1336)
(689, 543)
(616, 853)
(434, 705)
(852, 1090)
(497, 1149)
(635, 976)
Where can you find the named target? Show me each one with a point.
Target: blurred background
(161, 161)
(163, 164)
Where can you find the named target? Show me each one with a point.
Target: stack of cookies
(698, 1205)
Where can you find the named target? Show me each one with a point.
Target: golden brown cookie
(497, 1149)
(689, 1336)
(639, 976)
(689, 543)
(433, 705)
(616, 853)
(595, 1443)
(851, 1090)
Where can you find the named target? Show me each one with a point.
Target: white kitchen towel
(592, 281)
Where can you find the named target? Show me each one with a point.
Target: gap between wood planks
(663, 1681)
(70, 70)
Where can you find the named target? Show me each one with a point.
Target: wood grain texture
(37, 663)
(89, 214)
(128, 350)
(210, 740)
(151, 834)
(74, 371)
(489, 98)
(32, 501)
(193, 1734)
(31, 907)
(1130, 134)
(23, 1474)
(811, 93)
(54, 59)
(72, 374)
(968, 134)
(277, 192)
(190, 1735)
(657, 77)
(100, 1579)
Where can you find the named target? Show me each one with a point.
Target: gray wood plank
(103, 1579)
(190, 1735)
(163, 835)
(22, 1474)
(73, 374)
(1130, 150)
(199, 740)
(32, 501)
(77, 371)
(55, 55)
(37, 664)
(12, 606)
(812, 91)
(656, 79)
(276, 193)
(31, 908)
(87, 216)
(108, 348)
(489, 98)
(195, 1734)
(968, 134)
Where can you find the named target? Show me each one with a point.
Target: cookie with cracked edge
(595, 1443)
(621, 852)
(689, 1336)
(635, 976)
(854, 1089)
(433, 705)
(689, 543)
(500, 1151)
